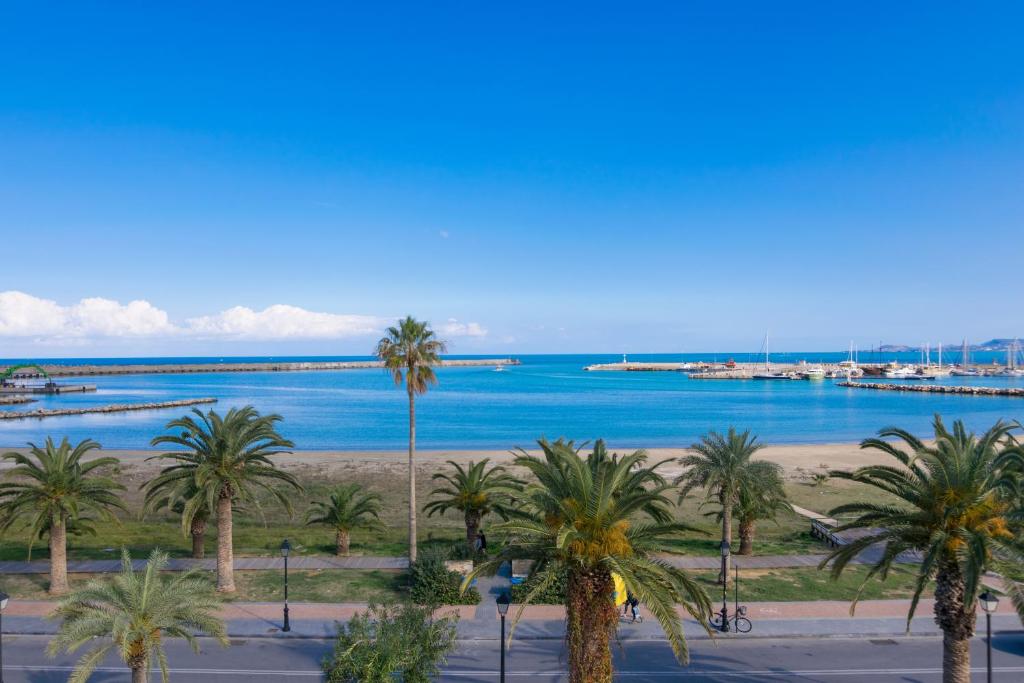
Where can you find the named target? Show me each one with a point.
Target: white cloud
(282, 322)
(443, 234)
(23, 315)
(453, 328)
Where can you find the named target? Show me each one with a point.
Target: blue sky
(580, 177)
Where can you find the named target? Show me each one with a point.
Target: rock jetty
(116, 408)
(13, 400)
(179, 368)
(937, 388)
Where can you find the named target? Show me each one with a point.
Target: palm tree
(345, 510)
(410, 351)
(586, 518)
(475, 491)
(175, 498)
(54, 490)
(228, 460)
(763, 498)
(954, 510)
(722, 466)
(134, 613)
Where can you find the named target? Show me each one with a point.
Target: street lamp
(989, 602)
(724, 627)
(503, 602)
(286, 548)
(3, 605)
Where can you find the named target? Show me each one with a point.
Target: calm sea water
(546, 395)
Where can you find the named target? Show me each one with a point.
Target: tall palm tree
(722, 466)
(475, 491)
(763, 498)
(53, 489)
(228, 460)
(133, 614)
(346, 509)
(410, 351)
(589, 517)
(174, 495)
(954, 509)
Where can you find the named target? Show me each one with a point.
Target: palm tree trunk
(140, 673)
(59, 557)
(723, 576)
(225, 549)
(746, 537)
(341, 543)
(954, 613)
(198, 530)
(591, 620)
(472, 529)
(412, 472)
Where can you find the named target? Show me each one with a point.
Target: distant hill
(990, 345)
(996, 345)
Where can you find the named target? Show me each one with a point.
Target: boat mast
(965, 357)
(767, 365)
(940, 355)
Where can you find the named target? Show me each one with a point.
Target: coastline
(791, 457)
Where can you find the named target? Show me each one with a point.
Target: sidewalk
(874, 618)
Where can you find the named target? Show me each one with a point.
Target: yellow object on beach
(620, 589)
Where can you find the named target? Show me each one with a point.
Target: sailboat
(768, 374)
(1011, 369)
(965, 369)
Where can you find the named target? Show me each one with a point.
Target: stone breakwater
(116, 408)
(937, 388)
(181, 368)
(12, 400)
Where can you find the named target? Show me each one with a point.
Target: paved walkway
(241, 563)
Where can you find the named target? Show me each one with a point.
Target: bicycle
(739, 622)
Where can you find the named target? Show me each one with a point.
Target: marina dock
(116, 408)
(182, 368)
(727, 370)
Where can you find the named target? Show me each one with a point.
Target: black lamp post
(989, 602)
(503, 602)
(724, 627)
(286, 548)
(3, 605)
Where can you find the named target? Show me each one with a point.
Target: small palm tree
(409, 352)
(954, 509)
(763, 498)
(722, 466)
(134, 613)
(228, 461)
(475, 491)
(163, 495)
(345, 510)
(589, 517)
(53, 489)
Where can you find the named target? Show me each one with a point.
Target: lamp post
(724, 627)
(989, 602)
(286, 548)
(503, 602)
(3, 605)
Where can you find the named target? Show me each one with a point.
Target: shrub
(387, 640)
(434, 584)
(552, 595)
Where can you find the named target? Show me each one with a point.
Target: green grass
(328, 585)
(823, 498)
(807, 583)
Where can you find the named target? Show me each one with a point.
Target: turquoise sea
(546, 395)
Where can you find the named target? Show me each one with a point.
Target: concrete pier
(180, 368)
(116, 408)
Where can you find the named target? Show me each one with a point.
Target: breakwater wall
(13, 400)
(936, 388)
(116, 408)
(181, 368)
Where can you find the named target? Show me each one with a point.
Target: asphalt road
(825, 660)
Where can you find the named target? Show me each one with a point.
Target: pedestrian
(481, 542)
(634, 606)
(627, 603)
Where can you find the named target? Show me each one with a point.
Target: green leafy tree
(953, 508)
(723, 467)
(53, 490)
(174, 496)
(762, 499)
(476, 491)
(133, 614)
(584, 519)
(346, 509)
(227, 459)
(410, 351)
(387, 640)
